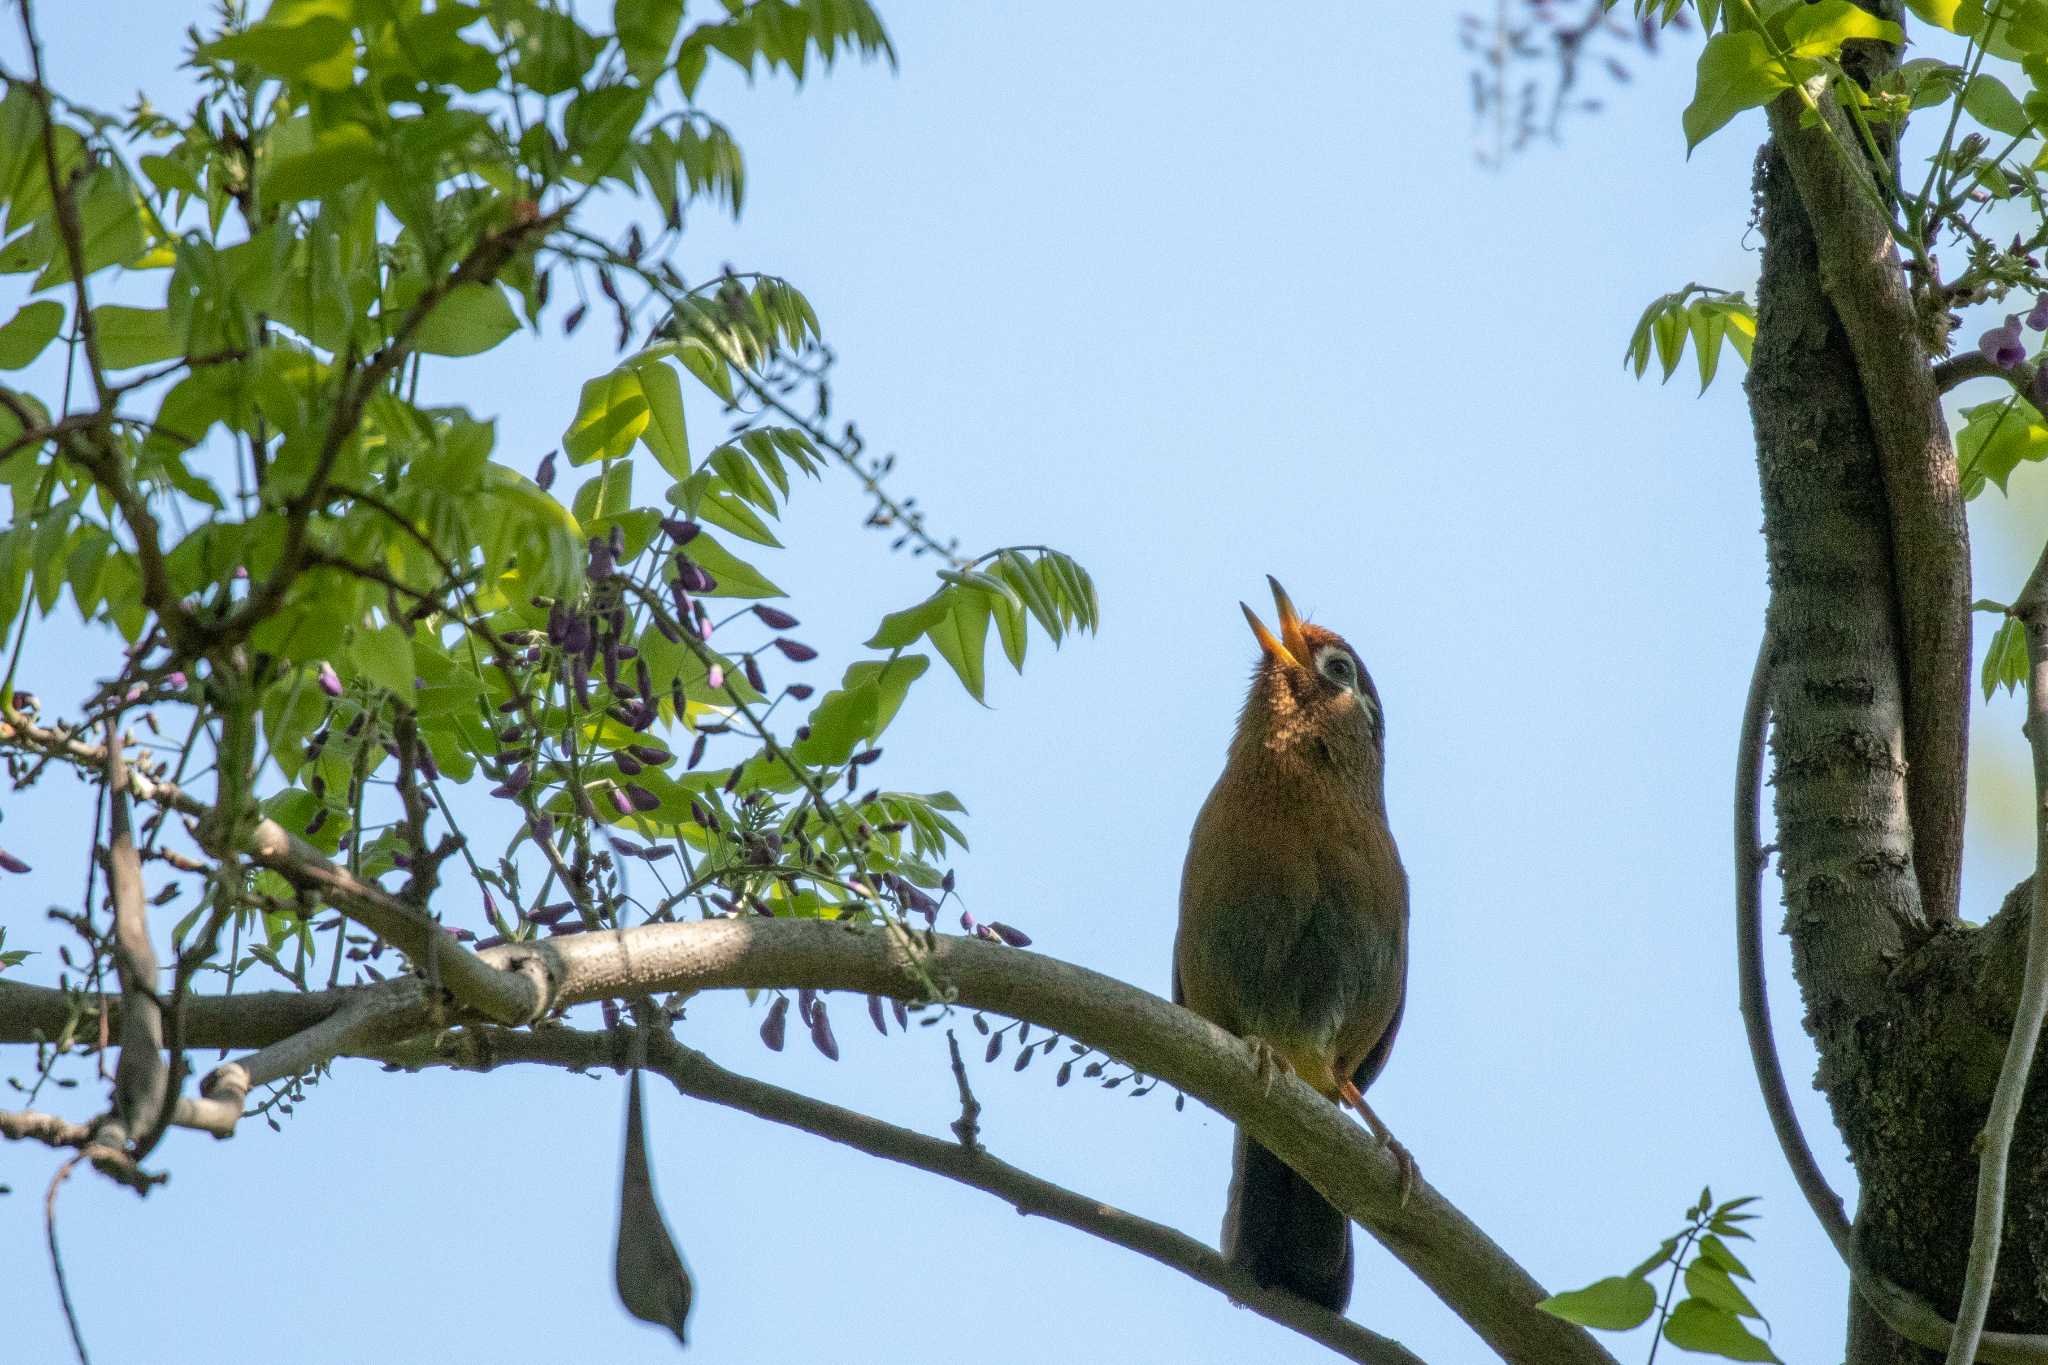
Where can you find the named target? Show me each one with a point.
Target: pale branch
(1959, 370)
(695, 1075)
(141, 1083)
(1906, 1313)
(506, 997)
(1473, 1276)
(1861, 276)
(1995, 1144)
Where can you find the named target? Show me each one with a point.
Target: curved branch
(1906, 1313)
(1473, 1276)
(1860, 274)
(695, 1075)
(1959, 370)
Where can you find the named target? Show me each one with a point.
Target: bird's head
(1312, 702)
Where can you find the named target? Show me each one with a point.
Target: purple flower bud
(946, 882)
(680, 531)
(600, 560)
(864, 757)
(2003, 346)
(643, 679)
(704, 626)
(753, 673)
(642, 799)
(427, 766)
(776, 1024)
(967, 921)
(10, 863)
(545, 475)
(651, 753)
(821, 1033)
(773, 618)
(610, 1010)
(697, 751)
(806, 1001)
(801, 691)
(2037, 316)
(611, 670)
(732, 779)
(542, 827)
(679, 597)
(875, 1015)
(794, 650)
(618, 541)
(667, 629)
(330, 681)
(715, 677)
(177, 678)
(1016, 938)
(628, 764)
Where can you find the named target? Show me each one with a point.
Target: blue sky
(1197, 297)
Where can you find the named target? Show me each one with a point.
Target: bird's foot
(1349, 1092)
(1268, 1061)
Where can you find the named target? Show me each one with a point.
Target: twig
(968, 1126)
(1995, 1143)
(696, 1075)
(1906, 1313)
(1961, 369)
(139, 1078)
(50, 1233)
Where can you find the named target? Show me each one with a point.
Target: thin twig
(50, 1236)
(696, 1075)
(1995, 1144)
(968, 1126)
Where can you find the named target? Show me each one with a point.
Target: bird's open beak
(1290, 647)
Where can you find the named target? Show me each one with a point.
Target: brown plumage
(1294, 926)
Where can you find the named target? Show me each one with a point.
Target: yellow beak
(1290, 647)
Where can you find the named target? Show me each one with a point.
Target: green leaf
(1656, 1258)
(837, 724)
(1614, 1304)
(723, 508)
(1994, 106)
(736, 577)
(135, 336)
(610, 415)
(384, 657)
(1996, 438)
(1815, 31)
(1736, 72)
(28, 332)
(664, 434)
(470, 319)
(1696, 1325)
(339, 157)
(646, 29)
(899, 628)
(1940, 13)
(1704, 1280)
(892, 679)
(320, 49)
(2005, 661)
(961, 637)
(1715, 1252)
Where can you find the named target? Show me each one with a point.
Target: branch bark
(1473, 1276)
(1860, 275)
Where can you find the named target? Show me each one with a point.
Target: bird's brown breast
(1294, 922)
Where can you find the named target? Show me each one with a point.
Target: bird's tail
(1287, 1235)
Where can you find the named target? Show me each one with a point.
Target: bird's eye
(1337, 667)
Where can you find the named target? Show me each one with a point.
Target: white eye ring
(1335, 664)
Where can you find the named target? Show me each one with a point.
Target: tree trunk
(1909, 1013)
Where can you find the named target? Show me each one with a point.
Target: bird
(1293, 930)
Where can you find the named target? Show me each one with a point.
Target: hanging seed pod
(776, 1024)
(821, 1032)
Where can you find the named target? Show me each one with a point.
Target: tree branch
(140, 1081)
(695, 1075)
(1860, 274)
(1473, 1276)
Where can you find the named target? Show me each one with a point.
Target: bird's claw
(1269, 1064)
(1405, 1160)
